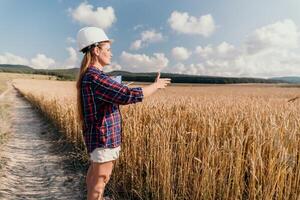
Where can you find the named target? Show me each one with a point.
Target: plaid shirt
(101, 97)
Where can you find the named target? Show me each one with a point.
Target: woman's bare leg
(100, 175)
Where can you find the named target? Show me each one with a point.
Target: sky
(258, 38)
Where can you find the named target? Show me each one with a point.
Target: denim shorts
(102, 155)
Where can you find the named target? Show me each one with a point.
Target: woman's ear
(96, 51)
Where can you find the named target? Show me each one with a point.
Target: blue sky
(223, 38)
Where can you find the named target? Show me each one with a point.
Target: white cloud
(180, 68)
(100, 17)
(204, 52)
(9, 58)
(142, 62)
(112, 67)
(41, 61)
(272, 50)
(177, 68)
(183, 23)
(71, 61)
(196, 69)
(180, 53)
(149, 36)
(223, 50)
(70, 40)
(136, 45)
(278, 62)
(136, 27)
(282, 34)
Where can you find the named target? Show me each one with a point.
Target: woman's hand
(161, 82)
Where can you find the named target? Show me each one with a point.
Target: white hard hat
(88, 36)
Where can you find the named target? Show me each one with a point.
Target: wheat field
(195, 142)
(6, 78)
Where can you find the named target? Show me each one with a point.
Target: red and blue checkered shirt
(101, 97)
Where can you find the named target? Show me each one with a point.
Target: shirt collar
(95, 68)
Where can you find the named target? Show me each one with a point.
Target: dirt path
(34, 165)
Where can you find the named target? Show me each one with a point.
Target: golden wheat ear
(129, 83)
(293, 99)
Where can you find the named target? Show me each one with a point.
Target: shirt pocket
(101, 126)
(101, 133)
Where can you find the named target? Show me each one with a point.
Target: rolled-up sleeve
(109, 90)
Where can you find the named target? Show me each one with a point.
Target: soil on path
(35, 164)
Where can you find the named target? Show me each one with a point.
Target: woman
(99, 98)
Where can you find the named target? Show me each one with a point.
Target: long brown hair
(84, 66)
(85, 63)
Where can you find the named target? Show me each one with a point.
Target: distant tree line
(71, 74)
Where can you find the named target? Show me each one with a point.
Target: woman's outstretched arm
(159, 83)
